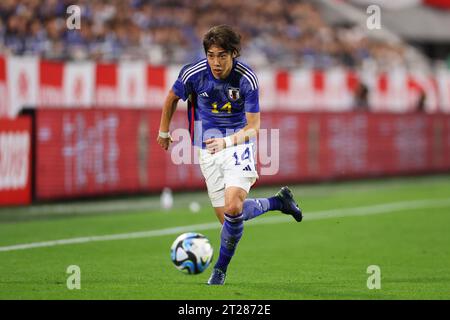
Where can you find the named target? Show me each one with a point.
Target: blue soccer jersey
(216, 107)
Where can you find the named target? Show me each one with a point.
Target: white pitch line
(316, 215)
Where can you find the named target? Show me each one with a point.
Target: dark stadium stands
(167, 32)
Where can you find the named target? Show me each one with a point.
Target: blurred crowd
(285, 33)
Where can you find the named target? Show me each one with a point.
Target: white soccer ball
(191, 253)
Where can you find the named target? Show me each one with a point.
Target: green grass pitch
(401, 225)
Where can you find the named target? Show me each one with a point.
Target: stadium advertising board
(325, 146)
(15, 155)
(94, 152)
(103, 151)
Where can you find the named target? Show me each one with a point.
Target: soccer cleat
(217, 277)
(289, 204)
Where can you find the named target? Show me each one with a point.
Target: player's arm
(251, 130)
(170, 105)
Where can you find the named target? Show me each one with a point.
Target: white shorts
(232, 167)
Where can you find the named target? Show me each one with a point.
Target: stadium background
(79, 109)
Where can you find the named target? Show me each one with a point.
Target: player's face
(220, 62)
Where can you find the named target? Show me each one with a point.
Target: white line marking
(317, 215)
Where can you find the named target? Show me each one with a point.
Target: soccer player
(224, 119)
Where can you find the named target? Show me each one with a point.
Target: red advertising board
(324, 146)
(104, 151)
(15, 155)
(95, 152)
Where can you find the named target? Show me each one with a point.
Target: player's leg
(282, 201)
(214, 183)
(217, 198)
(253, 208)
(220, 212)
(239, 172)
(231, 232)
(234, 200)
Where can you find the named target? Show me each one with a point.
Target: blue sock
(256, 207)
(275, 203)
(232, 230)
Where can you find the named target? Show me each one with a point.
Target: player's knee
(233, 207)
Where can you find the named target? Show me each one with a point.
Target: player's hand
(164, 142)
(214, 145)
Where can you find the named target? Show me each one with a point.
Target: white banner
(22, 74)
(132, 84)
(443, 80)
(79, 84)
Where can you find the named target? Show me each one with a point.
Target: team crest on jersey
(233, 94)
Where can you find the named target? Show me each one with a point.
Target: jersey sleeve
(251, 96)
(180, 88)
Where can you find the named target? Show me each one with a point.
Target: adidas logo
(204, 94)
(247, 168)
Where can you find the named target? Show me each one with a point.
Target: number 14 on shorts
(244, 156)
(241, 161)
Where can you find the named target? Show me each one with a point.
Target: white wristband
(164, 135)
(228, 142)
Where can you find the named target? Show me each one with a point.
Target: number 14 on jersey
(225, 108)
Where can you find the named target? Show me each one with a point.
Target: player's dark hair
(223, 36)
